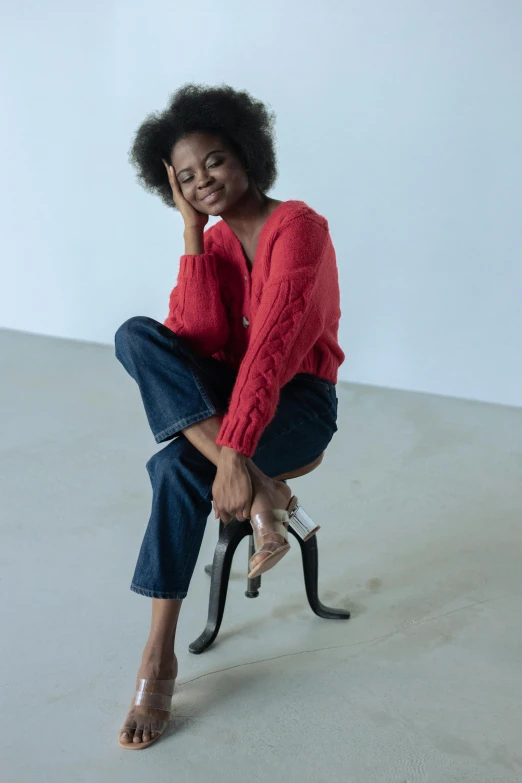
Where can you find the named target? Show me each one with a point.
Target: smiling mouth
(212, 196)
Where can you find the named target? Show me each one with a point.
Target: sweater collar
(273, 220)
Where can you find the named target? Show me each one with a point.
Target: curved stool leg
(230, 536)
(253, 584)
(208, 568)
(311, 573)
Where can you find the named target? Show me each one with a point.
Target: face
(203, 163)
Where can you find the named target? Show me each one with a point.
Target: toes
(258, 559)
(126, 735)
(140, 729)
(156, 727)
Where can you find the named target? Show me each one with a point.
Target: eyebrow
(206, 156)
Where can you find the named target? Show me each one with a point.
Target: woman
(240, 378)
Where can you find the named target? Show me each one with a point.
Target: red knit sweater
(279, 320)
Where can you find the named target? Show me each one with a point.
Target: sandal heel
(302, 523)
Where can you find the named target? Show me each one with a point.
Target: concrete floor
(420, 500)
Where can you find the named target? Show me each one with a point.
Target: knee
(165, 460)
(180, 461)
(131, 330)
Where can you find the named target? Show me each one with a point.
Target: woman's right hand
(191, 216)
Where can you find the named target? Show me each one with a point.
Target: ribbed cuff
(234, 437)
(200, 268)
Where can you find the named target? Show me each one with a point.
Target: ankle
(158, 665)
(260, 481)
(155, 653)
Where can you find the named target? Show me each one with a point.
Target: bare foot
(268, 493)
(143, 723)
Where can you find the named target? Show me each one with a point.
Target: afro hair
(234, 116)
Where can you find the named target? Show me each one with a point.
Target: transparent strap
(263, 524)
(156, 694)
(277, 521)
(260, 533)
(269, 546)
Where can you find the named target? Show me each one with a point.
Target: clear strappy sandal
(156, 694)
(273, 525)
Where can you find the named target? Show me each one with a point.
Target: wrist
(232, 455)
(194, 242)
(257, 477)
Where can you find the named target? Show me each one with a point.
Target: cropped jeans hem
(155, 594)
(186, 422)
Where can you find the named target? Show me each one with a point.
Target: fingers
(224, 516)
(241, 515)
(170, 172)
(219, 514)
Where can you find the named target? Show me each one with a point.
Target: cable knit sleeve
(196, 310)
(288, 323)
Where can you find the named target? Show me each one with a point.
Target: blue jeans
(179, 388)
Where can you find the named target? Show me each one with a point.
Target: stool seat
(230, 535)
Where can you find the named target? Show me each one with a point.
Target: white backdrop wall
(398, 120)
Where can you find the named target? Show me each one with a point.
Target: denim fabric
(179, 388)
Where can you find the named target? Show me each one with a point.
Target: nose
(205, 182)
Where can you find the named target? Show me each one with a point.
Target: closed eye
(217, 163)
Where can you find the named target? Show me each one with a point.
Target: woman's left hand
(232, 487)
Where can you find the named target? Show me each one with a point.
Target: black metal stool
(229, 537)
